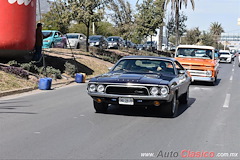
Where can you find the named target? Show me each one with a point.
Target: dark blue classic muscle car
(141, 81)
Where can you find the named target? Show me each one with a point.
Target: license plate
(126, 101)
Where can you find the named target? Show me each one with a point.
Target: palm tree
(216, 30)
(176, 6)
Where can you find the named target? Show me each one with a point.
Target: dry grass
(11, 82)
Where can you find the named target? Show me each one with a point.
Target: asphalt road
(62, 124)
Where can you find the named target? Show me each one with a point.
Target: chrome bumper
(204, 79)
(137, 97)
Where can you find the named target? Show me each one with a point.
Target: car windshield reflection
(195, 53)
(144, 66)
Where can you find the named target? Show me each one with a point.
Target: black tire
(52, 45)
(100, 107)
(172, 107)
(238, 64)
(65, 46)
(78, 46)
(185, 97)
(214, 83)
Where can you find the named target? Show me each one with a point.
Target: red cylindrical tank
(17, 27)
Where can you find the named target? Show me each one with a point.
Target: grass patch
(10, 82)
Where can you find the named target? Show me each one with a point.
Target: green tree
(106, 29)
(193, 36)
(216, 29)
(150, 17)
(176, 6)
(58, 18)
(207, 39)
(78, 28)
(123, 18)
(86, 12)
(171, 26)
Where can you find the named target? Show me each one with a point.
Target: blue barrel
(79, 78)
(45, 83)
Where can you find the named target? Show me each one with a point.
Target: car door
(57, 39)
(183, 78)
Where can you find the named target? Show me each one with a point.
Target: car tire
(52, 45)
(64, 45)
(100, 107)
(214, 82)
(78, 46)
(185, 97)
(172, 107)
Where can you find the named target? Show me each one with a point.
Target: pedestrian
(39, 42)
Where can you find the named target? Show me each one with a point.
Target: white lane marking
(199, 88)
(231, 78)
(233, 69)
(227, 101)
(37, 132)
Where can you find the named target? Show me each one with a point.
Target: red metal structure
(17, 27)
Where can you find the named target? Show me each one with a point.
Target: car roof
(95, 36)
(149, 57)
(74, 33)
(196, 46)
(51, 30)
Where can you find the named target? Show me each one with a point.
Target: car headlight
(209, 73)
(154, 91)
(46, 40)
(100, 88)
(164, 91)
(92, 88)
(97, 43)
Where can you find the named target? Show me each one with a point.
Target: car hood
(133, 78)
(196, 61)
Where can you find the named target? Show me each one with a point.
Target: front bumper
(203, 79)
(138, 100)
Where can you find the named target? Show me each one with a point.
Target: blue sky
(225, 12)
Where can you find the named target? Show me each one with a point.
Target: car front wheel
(172, 107)
(185, 97)
(100, 107)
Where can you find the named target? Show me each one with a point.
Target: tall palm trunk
(177, 22)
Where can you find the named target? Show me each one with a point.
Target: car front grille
(127, 90)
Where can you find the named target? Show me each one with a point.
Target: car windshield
(149, 42)
(46, 33)
(94, 38)
(72, 36)
(112, 39)
(195, 53)
(144, 66)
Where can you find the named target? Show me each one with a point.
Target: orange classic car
(200, 61)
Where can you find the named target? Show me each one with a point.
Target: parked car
(141, 81)
(130, 44)
(140, 47)
(115, 42)
(225, 56)
(200, 61)
(55, 40)
(76, 40)
(150, 46)
(98, 41)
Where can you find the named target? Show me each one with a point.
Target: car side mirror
(181, 71)
(110, 68)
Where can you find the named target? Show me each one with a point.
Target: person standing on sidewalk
(39, 42)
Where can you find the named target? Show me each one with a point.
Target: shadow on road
(155, 112)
